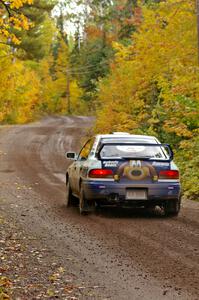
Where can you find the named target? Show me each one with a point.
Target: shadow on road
(121, 213)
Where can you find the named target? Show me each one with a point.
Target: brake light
(169, 174)
(101, 173)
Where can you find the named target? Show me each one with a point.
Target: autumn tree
(104, 22)
(20, 81)
(36, 42)
(19, 92)
(153, 86)
(11, 18)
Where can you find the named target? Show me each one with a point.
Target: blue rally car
(121, 169)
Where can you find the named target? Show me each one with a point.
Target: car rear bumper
(110, 192)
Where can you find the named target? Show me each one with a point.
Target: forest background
(132, 64)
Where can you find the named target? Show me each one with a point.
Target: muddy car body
(124, 170)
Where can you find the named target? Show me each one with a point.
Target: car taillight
(169, 174)
(101, 173)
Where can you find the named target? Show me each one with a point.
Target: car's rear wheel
(172, 207)
(70, 199)
(85, 206)
(150, 209)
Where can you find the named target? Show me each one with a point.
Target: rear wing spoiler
(169, 152)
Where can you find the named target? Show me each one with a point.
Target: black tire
(150, 209)
(172, 207)
(98, 205)
(70, 199)
(85, 206)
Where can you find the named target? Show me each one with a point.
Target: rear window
(134, 151)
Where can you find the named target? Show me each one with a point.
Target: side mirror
(71, 155)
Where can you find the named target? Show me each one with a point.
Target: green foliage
(36, 42)
(89, 68)
(187, 158)
(104, 22)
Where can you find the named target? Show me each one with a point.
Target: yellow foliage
(54, 90)
(19, 93)
(65, 84)
(153, 87)
(19, 3)
(152, 77)
(11, 18)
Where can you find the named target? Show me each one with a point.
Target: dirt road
(124, 254)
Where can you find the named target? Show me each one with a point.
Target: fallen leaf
(5, 282)
(50, 293)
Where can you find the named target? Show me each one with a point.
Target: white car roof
(126, 135)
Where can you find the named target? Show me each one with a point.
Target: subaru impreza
(125, 170)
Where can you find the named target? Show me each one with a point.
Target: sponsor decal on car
(160, 164)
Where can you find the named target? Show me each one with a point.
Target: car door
(81, 163)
